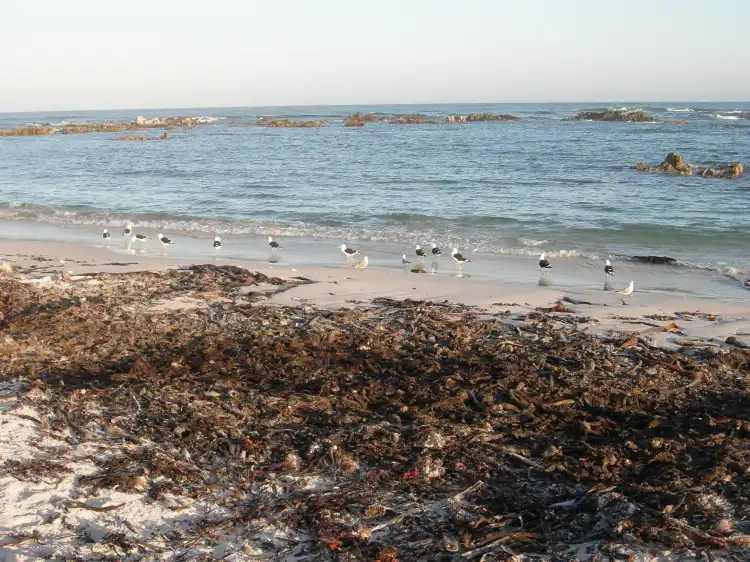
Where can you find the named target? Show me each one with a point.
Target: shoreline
(341, 286)
(571, 273)
(214, 411)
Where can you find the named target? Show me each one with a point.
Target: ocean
(497, 189)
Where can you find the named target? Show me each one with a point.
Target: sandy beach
(156, 408)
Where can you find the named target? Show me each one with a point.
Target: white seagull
(363, 263)
(404, 260)
(217, 243)
(275, 245)
(128, 230)
(608, 269)
(459, 258)
(628, 290)
(348, 252)
(435, 250)
(543, 263)
(105, 235)
(420, 251)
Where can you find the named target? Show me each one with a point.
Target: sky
(118, 54)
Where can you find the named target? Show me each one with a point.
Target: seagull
(105, 235)
(435, 250)
(544, 264)
(275, 245)
(217, 243)
(128, 230)
(139, 238)
(420, 251)
(164, 240)
(363, 263)
(628, 290)
(608, 269)
(404, 260)
(459, 258)
(348, 252)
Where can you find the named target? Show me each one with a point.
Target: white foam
(680, 110)
(727, 117)
(531, 242)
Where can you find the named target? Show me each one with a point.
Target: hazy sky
(105, 54)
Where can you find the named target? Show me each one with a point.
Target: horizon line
(374, 104)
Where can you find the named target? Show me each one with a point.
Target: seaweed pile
(400, 430)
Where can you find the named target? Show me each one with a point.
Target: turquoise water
(540, 184)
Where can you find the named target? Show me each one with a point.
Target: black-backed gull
(608, 269)
(543, 263)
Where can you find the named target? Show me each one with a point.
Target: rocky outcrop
(413, 119)
(31, 131)
(625, 115)
(187, 122)
(675, 164)
(96, 128)
(352, 122)
(164, 136)
(285, 123)
(478, 117)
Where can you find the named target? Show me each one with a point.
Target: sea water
(495, 189)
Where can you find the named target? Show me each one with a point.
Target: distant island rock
(286, 123)
(187, 122)
(110, 127)
(624, 115)
(675, 164)
(481, 117)
(31, 131)
(163, 136)
(359, 119)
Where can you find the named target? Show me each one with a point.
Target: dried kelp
(401, 430)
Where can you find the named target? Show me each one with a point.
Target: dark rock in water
(626, 115)
(675, 164)
(655, 259)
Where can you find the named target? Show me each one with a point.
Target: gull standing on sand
(404, 260)
(128, 229)
(275, 245)
(436, 251)
(543, 263)
(138, 239)
(363, 263)
(459, 258)
(419, 251)
(106, 236)
(217, 243)
(348, 252)
(628, 290)
(609, 270)
(164, 242)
